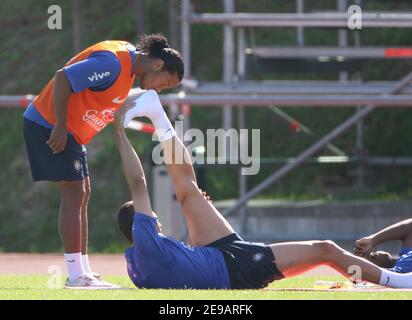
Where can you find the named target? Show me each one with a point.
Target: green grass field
(35, 287)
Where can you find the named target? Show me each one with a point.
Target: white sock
(85, 263)
(148, 105)
(395, 280)
(74, 265)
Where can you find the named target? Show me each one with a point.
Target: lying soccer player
(401, 231)
(215, 257)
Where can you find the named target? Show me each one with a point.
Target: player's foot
(88, 282)
(99, 277)
(96, 275)
(146, 105)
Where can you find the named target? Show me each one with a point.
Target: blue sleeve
(404, 262)
(98, 72)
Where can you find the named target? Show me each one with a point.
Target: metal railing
(338, 53)
(293, 87)
(321, 19)
(254, 100)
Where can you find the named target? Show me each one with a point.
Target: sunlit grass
(36, 287)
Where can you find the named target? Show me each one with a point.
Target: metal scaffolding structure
(234, 90)
(289, 167)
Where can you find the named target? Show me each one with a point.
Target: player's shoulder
(106, 60)
(105, 55)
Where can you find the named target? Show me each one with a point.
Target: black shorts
(69, 165)
(251, 265)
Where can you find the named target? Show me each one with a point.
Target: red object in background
(147, 128)
(25, 101)
(185, 109)
(141, 126)
(294, 126)
(398, 52)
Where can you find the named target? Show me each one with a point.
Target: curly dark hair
(157, 46)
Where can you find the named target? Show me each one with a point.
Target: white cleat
(88, 282)
(99, 277)
(95, 275)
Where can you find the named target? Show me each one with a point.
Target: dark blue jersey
(157, 261)
(404, 262)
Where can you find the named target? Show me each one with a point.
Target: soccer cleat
(96, 275)
(99, 277)
(87, 281)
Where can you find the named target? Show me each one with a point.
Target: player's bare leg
(204, 221)
(72, 194)
(294, 258)
(85, 229)
(84, 217)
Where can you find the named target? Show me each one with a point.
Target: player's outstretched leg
(205, 222)
(293, 258)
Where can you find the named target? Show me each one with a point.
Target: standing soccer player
(78, 103)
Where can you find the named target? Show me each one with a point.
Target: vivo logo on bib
(98, 76)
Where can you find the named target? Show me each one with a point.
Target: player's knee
(73, 195)
(180, 195)
(326, 248)
(184, 189)
(87, 193)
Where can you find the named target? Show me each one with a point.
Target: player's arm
(397, 231)
(61, 95)
(75, 78)
(132, 168)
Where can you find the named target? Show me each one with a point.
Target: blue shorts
(69, 165)
(251, 265)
